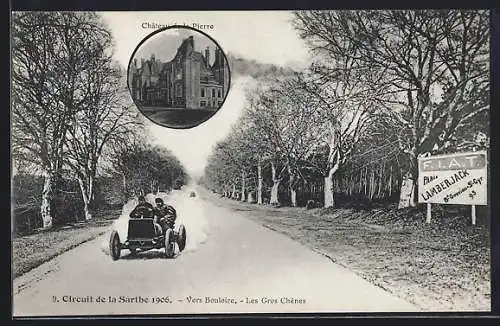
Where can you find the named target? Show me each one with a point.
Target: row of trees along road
(72, 117)
(384, 87)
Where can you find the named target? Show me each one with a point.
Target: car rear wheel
(169, 244)
(114, 245)
(182, 238)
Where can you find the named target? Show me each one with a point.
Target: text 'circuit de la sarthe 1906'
(187, 81)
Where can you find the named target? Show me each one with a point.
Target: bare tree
(264, 111)
(53, 54)
(255, 146)
(343, 111)
(108, 118)
(433, 66)
(305, 127)
(287, 120)
(226, 165)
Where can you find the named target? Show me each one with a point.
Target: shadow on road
(145, 255)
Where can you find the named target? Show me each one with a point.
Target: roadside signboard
(459, 178)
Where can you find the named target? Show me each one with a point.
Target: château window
(178, 90)
(202, 92)
(219, 93)
(213, 92)
(203, 103)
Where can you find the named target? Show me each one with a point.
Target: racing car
(142, 236)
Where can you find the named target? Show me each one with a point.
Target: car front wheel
(169, 244)
(114, 245)
(181, 241)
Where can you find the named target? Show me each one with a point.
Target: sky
(264, 36)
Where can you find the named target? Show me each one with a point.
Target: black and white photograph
(178, 77)
(168, 163)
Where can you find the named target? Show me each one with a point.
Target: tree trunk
(293, 192)
(380, 180)
(92, 189)
(274, 190)
(328, 188)
(243, 179)
(406, 197)
(259, 183)
(408, 186)
(366, 182)
(293, 197)
(351, 184)
(124, 185)
(233, 193)
(360, 183)
(274, 193)
(328, 192)
(86, 198)
(373, 185)
(47, 201)
(250, 198)
(390, 181)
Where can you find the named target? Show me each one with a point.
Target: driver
(145, 210)
(165, 214)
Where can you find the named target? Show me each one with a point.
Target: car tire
(114, 245)
(181, 241)
(169, 244)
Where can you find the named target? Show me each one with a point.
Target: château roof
(150, 67)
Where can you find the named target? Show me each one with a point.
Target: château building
(188, 81)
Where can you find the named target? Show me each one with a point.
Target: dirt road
(239, 267)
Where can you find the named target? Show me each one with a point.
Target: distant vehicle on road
(178, 183)
(192, 194)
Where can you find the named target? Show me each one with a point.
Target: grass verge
(33, 250)
(442, 266)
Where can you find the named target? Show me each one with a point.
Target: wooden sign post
(428, 219)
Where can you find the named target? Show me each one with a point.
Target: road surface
(180, 118)
(241, 266)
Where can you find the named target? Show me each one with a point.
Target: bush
(109, 192)
(312, 204)
(68, 203)
(25, 220)
(26, 200)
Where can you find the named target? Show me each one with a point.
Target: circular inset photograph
(178, 77)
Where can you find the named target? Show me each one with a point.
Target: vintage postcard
(222, 162)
